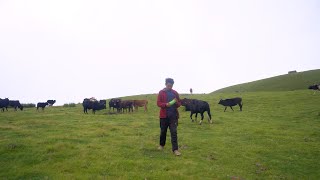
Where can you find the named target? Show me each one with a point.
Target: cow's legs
(231, 108)
(225, 109)
(196, 117)
(191, 116)
(201, 118)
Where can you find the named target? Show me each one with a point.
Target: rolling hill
(287, 82)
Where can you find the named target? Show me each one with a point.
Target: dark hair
(169, 80)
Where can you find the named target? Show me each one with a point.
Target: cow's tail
(209, 114)
(241, 104)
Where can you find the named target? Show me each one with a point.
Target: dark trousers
(172, 123)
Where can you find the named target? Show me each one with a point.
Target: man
(169, 102)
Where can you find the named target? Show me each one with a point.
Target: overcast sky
(68, 50)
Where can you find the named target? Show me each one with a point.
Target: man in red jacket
(169, 102)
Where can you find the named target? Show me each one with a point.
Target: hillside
(287, 82)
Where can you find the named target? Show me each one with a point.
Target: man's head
(169, 83)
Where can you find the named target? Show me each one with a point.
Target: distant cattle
(114, 103)
(94, 105)
(197, 106)
(51, 102)
(126, 105)
(315, 87)
(140, 103)
(231, 102)
(15, 104)
(42, 105)
(4, 103)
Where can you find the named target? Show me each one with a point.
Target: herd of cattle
(195, 106)
(115, 103)
(5, 103)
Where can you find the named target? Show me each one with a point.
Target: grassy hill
(287, 82)
(276, 136)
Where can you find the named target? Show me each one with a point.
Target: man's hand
(172, 102)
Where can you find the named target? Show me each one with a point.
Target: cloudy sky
(71, 49)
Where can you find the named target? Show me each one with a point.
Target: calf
(231, 102)
(197, 106)
(15, 105)
(94, 105)
(42, 105)
(126, 104)
(51, 102)
(315, 87)
(114, 103)
(4, 103)
(140, 103)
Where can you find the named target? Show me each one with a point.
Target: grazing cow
(42, 105)
(114, 103)
(15, 105)
(51, 102)
(126, 104)
(197, 106)
(140, 103)
(94, 105)
(231, 102)
(4, 103)
(315, 87)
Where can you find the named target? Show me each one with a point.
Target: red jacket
(162, 102)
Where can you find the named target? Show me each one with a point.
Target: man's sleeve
(160, 102)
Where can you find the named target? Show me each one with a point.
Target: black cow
(41, 105)
(196, 106)
(15, 105)
(126, 104)
(114, 103)
(94, 105)
(315, 87)
(231, 102)
(4, 103)
(51, 102)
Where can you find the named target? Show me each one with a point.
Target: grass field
(276, 136)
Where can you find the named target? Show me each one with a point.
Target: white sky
(71, 49)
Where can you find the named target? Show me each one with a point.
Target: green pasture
(276, 136)
(286, 82)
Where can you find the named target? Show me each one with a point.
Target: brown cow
(140, 103)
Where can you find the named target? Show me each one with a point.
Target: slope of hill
(287, 82)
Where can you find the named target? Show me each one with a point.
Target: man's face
(169, 86)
